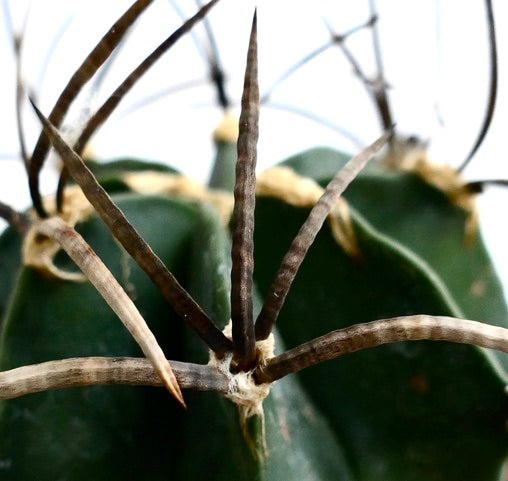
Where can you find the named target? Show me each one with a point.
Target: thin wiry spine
(376, 88)
(80, 77)
(242, 251)
(379, 85)
(291, 70)
(491, 105)
(17, 46)
(477, 186)
(16, 219)
(376, 333)
(305, 237)
(199, 47)
(307, 114)
(211, 56)
(216, 70)
(93, 371)
(20, 95)
(336, 39)
(114, 99)
(49, 54)
(160, 94)
(108, 287)
(183, 304)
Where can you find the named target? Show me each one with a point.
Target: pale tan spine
(376, 333)
(105, 283)
(92, 371)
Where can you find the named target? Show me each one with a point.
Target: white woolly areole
(243, 390)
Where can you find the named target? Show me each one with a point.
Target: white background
(435, 56)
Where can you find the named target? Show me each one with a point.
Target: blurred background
(436, 63)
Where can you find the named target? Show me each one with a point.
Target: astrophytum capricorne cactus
(241, 291)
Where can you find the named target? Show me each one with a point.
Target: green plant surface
(10, 263)
(115, 168)
(409, 411)
(421, 217)
(161, 443)
(105, 432)
(223, 173)
(406, 411)
(300, 444)
(110, 172)
(412, 411)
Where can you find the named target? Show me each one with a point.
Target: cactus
(258, 360)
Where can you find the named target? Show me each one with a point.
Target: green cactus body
(424, 219)
(409, 411)
(394, 248)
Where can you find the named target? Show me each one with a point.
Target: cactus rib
(306, 235)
